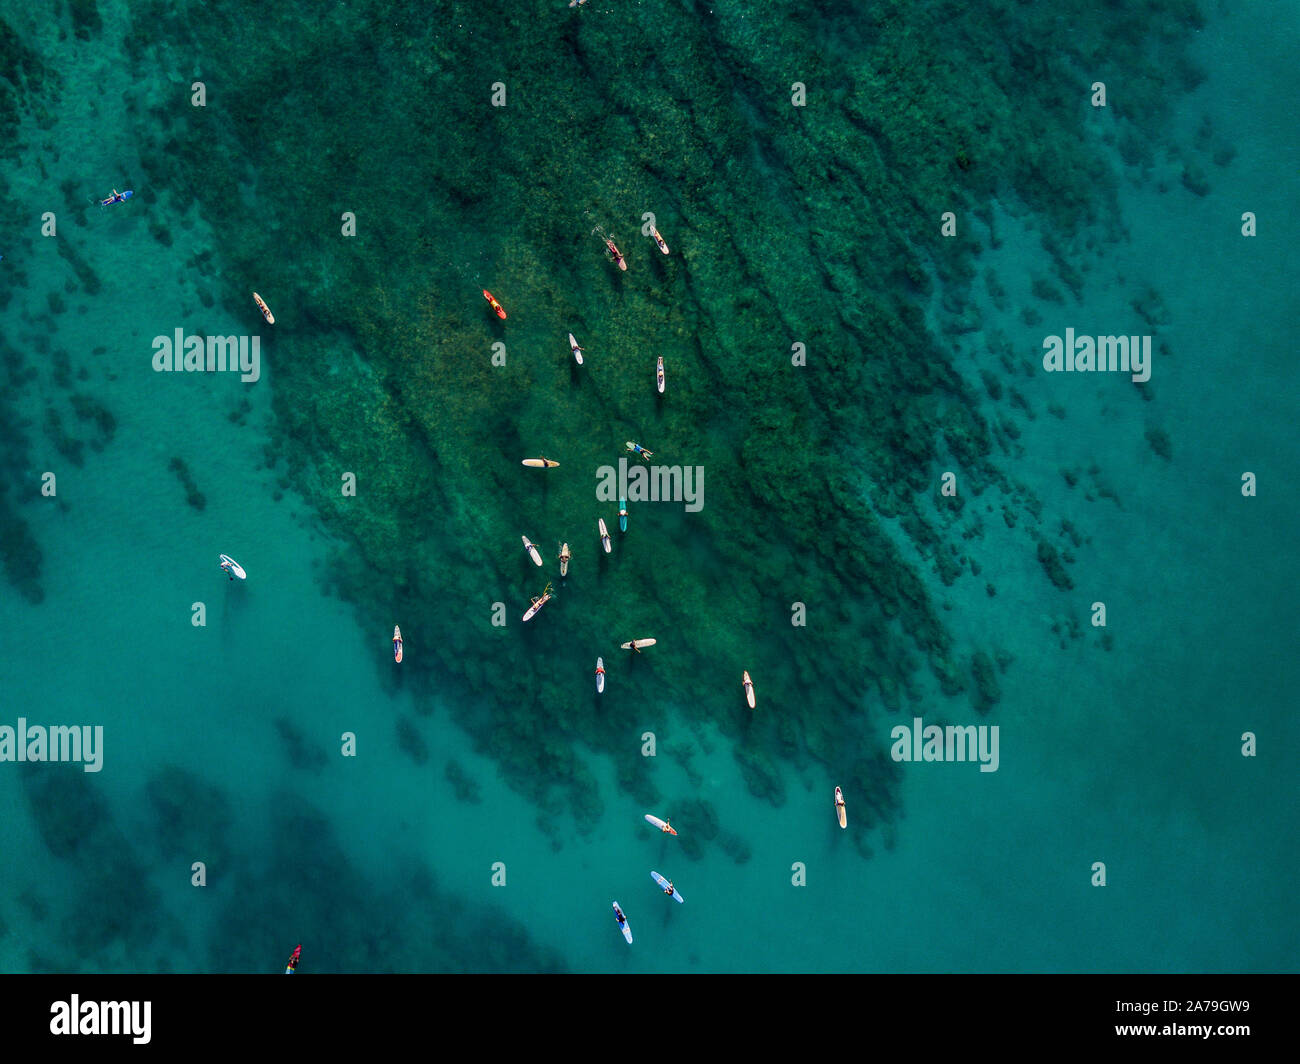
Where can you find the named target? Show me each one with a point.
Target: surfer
(293, 961)
(117, 197)
(636, 448)
(669, 889)
(225, 568)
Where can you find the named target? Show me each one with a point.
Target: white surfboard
(541, 463)
(532, 610)
(639, 643)
(604, 534)
(231, 566)
(532, 550)
(663, 885)
(659, 375)
(749, 689)
(662, 825)
(600, 675)
(577, 351)
(660, 241)
(840, 810)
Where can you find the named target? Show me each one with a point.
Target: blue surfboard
(663, 885)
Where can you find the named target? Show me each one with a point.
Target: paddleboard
(840, 810)
(536, 606)
(577, 351)
(622, 515)
(600, 676)
(397, 644)
(501, 311)
(541, 463)
(663, 885)
(639, 643)
(229, 563)
(749, 690)
(659, 375)
(624, 927)
(266, 311)
(618, 255)
(660, 241)
(604, 534)
(662, 825)
(564, 560)
(532, 550)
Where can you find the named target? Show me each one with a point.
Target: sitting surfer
(225, 567)
(669, 889)
(621, 918)
(667, 826)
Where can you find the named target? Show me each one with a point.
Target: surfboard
(840, 811)
(639, 643)
(577, 351)
(749, 690)
(660, 241)
(622, 515)
(397, 644)
(266, 311)
(604, 534)
(536, 606)
(624, 926)
(234, 566)
(532, 550)
(659, 375)
(600, 675)
(662, 825)
(663, 885)
(541, 463)
(564, 560)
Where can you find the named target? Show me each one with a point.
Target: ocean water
(493, 806)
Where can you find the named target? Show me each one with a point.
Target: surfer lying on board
(636, 448)
(117, 197)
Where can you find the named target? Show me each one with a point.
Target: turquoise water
(488, 744)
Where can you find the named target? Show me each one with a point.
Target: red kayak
(501, 311)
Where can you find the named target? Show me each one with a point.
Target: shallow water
(487, 754)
